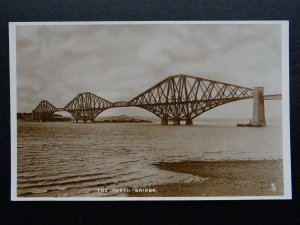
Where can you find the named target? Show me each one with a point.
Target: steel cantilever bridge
(176, 98)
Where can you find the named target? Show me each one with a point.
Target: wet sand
(222, 178)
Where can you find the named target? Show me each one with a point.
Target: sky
(118, 62)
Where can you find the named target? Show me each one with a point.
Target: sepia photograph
(150, 110)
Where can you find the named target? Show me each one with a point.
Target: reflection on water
(76, 159)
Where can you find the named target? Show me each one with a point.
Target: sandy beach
(222, 178)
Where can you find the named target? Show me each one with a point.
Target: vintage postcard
(150, 110)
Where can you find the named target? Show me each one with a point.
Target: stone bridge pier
(258, 118)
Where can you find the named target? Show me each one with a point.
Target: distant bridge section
(87, 106)
(273, 97)
(43, 111)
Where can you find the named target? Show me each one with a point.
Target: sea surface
(60, 159)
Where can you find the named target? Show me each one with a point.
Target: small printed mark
(273, 187)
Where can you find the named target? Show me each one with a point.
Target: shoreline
(222, 178)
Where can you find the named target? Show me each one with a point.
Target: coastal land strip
(222, 178)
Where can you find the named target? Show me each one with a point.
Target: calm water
(76, 159)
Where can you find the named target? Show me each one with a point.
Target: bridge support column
(176, 121)
(164, 121)
(189, 122)
(258, 107)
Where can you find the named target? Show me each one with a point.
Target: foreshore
(222, 178)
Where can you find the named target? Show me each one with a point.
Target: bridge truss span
(43, 111)
(87, 106)
(121, 104)
(183, 97)
(273, 97)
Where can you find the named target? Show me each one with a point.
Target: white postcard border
(285, 113)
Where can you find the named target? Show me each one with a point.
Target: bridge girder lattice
(273, 97)
(87, 106)
(183, 97)
(43, 111)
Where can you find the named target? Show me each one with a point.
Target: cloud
(118, 62)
